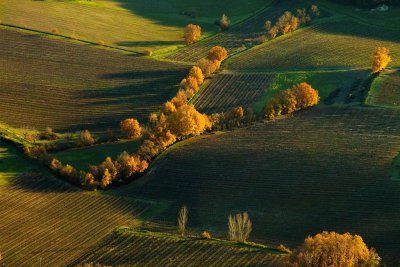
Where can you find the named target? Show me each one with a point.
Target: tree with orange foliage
(217, 53)
(128, 165)
(336, 250)
(306, 96)
(196, 73)
(187, 121)
(191, 33)
(168, 108)
(208, 67)
(189, 86)
(180, 99)
(224, 22)
(298, 97)
(381, 59)
(131, 128)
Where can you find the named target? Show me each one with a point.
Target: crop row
(239, 36)
(147, 249)
(68, 86)
(43, 220)
(227, 91)
(339, 44)
(319, 170)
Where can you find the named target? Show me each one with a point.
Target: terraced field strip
(327, 45)
(70, 87)
(43, 220)
(227, 91)
(385, 90)
(238, 37)
(322, 169)
(145, 248)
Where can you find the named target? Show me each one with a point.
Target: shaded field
(133, 25)
(71, 87)
(44, 220)
(82, 158)
(322, 169)
(227, 91)
(239, 37)
(386, 90)
(331, 45)
(142, 248)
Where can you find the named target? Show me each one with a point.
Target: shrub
(333, 249)
(206, 235)
(101, 42)
(48, 134)
(306, 96)
(85, 138)
(224, 22)
(182, 220)
(273, 32)
(148, 52)
(153, 118)
(239, 227)
(381, 59)
(168, 108)
(303, 16)
(131, 128)
(189, 87)
(55, 165)
(69, 173)
(191, 33)
(315, 11)
(217, 53)
(55, 31)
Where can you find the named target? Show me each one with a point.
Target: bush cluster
(298, 97)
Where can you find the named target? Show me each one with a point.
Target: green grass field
(385, 90)
(339, 44)
(127, 247)
(11, 163)
(323, 169)
(82, 158)
(71, 87)
(134, 25)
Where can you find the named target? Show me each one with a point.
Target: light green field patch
(325, 82)
(385, 90)
(82, 158)
(11, 163)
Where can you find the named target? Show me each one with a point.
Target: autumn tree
(217, 53)
(192, 33)
(131, 128)
(127, 165)
(303, 16)
(336, 250)
(189, 87)
(187, 121)
(106, 179)
(207, 66)
(224, 22)
(298, 97)
(85, 138)
(306, 96)
(273, 32)
(168, 108)
(381, 59)
(196, 73)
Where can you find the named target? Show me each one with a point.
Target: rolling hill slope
(325, 169)
(69, 87)
(130, 24)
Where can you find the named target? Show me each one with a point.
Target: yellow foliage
(217, 53)
(306, 96)
(106, 179)
(197, 74)
(187, 121)
(208, 67)
(180, 99)
(381, 59)
(192, 33)
(85, 138)
(189, 86)
(131, 128)
(335, 250)
(168, 108)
